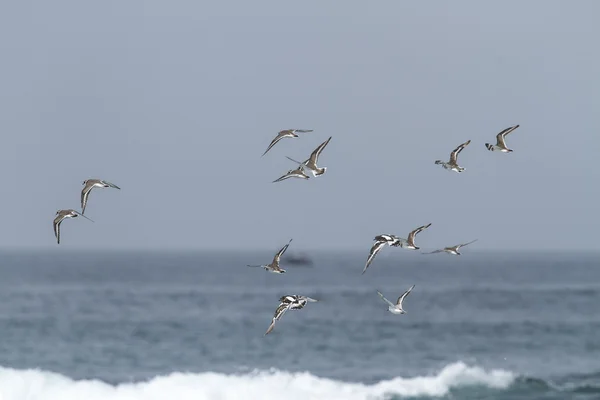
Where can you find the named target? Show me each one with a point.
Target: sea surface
(190, 325)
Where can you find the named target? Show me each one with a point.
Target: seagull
(452, 249)
(291, 133)
(380, 242)
(274, 266)
(410, 242)
(60, 216)
(293, 173)
(500, 143)
(288, 302)
(311, 163)
(88, 185)
(396, 308)
(452, 165)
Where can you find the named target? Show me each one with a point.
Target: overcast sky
(175, 101)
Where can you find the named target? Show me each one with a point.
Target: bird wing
(314, 156)
(376, 248)
(279, 136)
(456, 151)
(435, 251)
(502, 135)
(112, 185)
(465, 244)
(401, 298)
(411, 236)
(277, 257)
(281, 309)
(85, 192)
(56, 225)
(384, 299)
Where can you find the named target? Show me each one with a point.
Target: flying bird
(452, 249)
(312, 161)
(452, 165)
(61, 215)
(500, 141)
(274, 266)
(396, 308)
(380, 242)
(287, 133)
(293, 173)
(88, 185)
(288, 302)
(410, 242)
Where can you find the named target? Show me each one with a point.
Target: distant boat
(298, 259)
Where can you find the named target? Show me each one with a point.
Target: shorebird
(380, 242)
(88, 185)
(311, 163)
(410, 242)
(288, 302)
(274, 266)
(500, 141)
(396, 308)
(452, 165)
(60, 217)
(291, 133)
(452, 249)
(293, 173)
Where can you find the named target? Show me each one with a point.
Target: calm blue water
(191, 325)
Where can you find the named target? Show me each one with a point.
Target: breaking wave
(264, 385)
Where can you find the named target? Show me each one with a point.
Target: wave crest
(264, 385)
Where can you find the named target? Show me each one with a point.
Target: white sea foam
(264, 385)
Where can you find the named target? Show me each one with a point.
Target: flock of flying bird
(296, 302)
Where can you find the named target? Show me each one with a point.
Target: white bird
(312, 161)
(452, 249)
(500, 141)
(291, 133)
(452, 165)
(61, 215)
(274, 266)
(88, 185)
(396, 308)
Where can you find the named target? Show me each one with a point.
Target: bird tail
(437, 162)
(489, 147)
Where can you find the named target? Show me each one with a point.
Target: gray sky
(175, 101)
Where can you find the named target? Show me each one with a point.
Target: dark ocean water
(80, 325)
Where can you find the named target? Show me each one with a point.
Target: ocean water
(185, 325)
